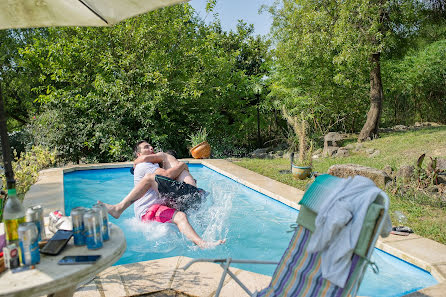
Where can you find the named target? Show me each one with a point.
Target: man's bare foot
(113, 210)
(211, 244)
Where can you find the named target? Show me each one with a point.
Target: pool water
(255, 226)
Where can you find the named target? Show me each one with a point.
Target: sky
(230, 11)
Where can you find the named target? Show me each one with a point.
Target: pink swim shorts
(159, 213)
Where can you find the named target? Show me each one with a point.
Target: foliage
(426, 213)
(158, 76)
(323, 54)
(197, 137)
(418, 88)
(27, 167)
(300, 127)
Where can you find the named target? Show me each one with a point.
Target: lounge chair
(299, 273)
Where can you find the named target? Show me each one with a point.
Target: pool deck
(164, 277)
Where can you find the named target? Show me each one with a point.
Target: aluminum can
(29, 245)
(54, 217)
(11, 256)
(93, 229)
(104, 213)
(77, 217)
(39, 210)
(33, 215)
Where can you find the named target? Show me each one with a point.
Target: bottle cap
(12, 192)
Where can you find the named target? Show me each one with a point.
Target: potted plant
(200, 147)
(302, 168)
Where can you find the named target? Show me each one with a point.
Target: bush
(27, 166)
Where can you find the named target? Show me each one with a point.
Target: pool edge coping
(422, 252)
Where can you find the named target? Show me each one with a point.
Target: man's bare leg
(180, 219)
(186, 177)
(148, 182)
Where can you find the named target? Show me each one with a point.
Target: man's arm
(172, 172)
(155, 158)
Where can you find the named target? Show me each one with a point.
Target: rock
(433, 189)
(370, 151)
(259, 151)
(379, 177)
(316, 156)
(330, 142)
(405, 172)
(400, 128)
(279, 153)
(388, 170)
(358, 147)
(375, 154)
(330, 151)
(333, 137)
(342, 152)
(260, 156)
(350, 146)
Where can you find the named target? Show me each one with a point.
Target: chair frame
(225, 263)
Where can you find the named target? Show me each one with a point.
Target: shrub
(27, 166)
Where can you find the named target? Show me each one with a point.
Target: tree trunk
(6, 149)
(370, 128)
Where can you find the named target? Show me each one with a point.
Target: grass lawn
(424, 216)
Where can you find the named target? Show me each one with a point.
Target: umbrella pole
(6, 149)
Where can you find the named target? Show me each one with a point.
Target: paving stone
(111, 283)
(424, 249)
(200, 279)
(88, 290)
(148, 277)
(253, 281)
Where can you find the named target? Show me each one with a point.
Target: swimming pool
(255, 227)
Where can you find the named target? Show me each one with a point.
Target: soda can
(93, 229)
(77, 217)
(39, 210)
(104, 213)
(33, 215)
(29, 245)
(11, 256)
(54, 217)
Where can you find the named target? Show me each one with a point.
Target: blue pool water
(255, 226)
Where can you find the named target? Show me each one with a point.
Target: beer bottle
(13, 216)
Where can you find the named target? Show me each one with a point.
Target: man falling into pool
(149, 205)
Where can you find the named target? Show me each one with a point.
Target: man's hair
(137, 149)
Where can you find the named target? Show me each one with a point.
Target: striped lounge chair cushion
(299, 273)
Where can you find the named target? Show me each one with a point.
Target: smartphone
(56, 244)
(72, 260)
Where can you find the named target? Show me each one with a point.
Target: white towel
(338, 225)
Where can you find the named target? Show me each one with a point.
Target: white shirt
(151, 196)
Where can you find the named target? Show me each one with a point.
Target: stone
(379, 177)
(350, 146)
(330, 151)
(400, 128)
(330, 142)
(359, 146)
(279, 153)
(259, 151)
(370, 151)
(375, 154)
(405, 172)
(388, 170)
(342, 152)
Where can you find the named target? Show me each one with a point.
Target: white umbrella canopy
(57, 13)
(49, 13)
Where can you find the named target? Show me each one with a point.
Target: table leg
(64, 293)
